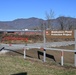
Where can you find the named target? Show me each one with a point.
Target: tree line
(65, 23)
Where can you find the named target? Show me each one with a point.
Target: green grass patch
(16, 64)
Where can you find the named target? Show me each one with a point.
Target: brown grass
(32, 53)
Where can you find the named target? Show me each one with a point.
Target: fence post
(44, 58)
(24, 53)
(62, 58)
(75, 48)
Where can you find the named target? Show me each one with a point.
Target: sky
(16, 9)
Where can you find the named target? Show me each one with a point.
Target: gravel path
(48, 44)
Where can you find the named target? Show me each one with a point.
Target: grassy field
(14, 64)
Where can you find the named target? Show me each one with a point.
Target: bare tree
(41, 24)
(49, 17)
(70, 24)
(62, 20)
(66, 23)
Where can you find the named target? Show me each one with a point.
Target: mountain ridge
(60, 23)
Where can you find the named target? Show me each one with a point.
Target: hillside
(60, 23)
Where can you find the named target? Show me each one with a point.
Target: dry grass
(16, 64)
(12, 63)
(68, 56)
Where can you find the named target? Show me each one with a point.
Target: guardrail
(54, 49)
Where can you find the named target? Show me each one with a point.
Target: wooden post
(44, 58)
(75, 48)
(44, 33)
(62, 58)
(24, 53)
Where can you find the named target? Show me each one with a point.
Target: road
(36, 45)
